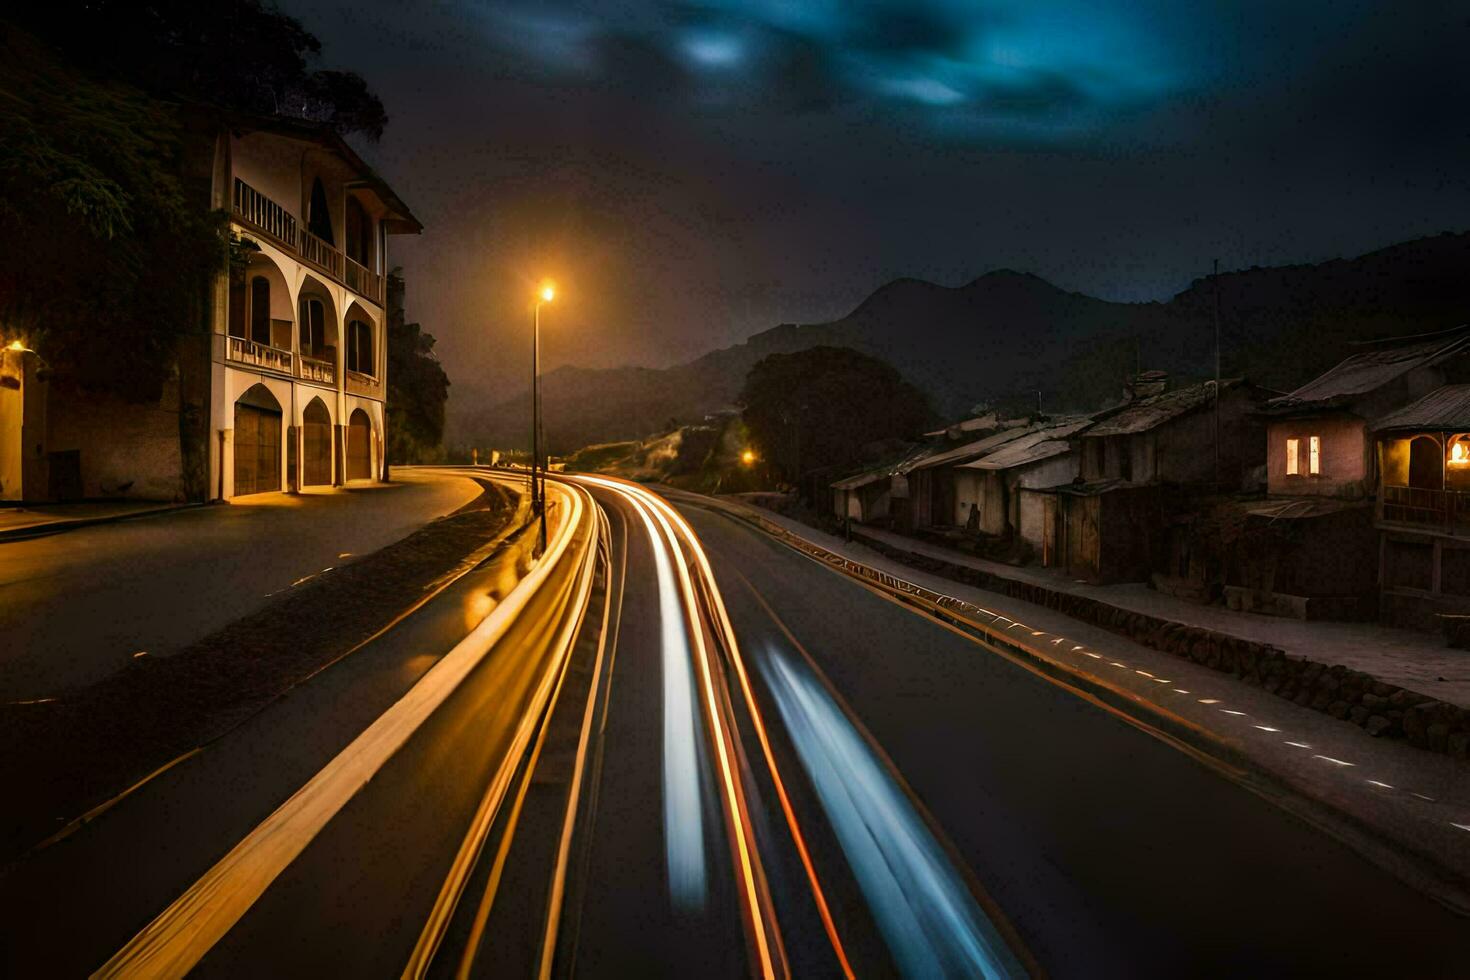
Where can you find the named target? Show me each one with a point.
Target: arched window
(318, 215)
(260, 310)
(359, 233)
(313, 328)
(360, 347)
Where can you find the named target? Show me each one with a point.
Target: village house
(1127, 514)
(1423, 508)
(286, 390)
(1311, 550)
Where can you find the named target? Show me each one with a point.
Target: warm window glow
(1292, 446)
(1459, 453)
(1314, 462)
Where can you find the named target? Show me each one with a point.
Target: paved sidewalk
(38, 519)
(76, 607)
(1401, 806)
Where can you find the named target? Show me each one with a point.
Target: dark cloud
(697, 171)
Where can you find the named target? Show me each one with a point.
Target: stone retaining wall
(1381, 709)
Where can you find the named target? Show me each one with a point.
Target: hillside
(1007, 335)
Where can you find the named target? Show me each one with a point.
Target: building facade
(283, 387)
(298, 360)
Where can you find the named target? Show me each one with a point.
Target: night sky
(691, 173)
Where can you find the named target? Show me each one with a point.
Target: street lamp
(538, 487)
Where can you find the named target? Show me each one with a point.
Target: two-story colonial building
(283, 384)
(299, 349)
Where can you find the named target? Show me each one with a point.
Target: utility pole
(1216, 278)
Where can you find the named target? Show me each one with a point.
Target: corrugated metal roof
(861, 480)
(1149, 412)
(1019, 453)
(970, 450)
(1372, 369)
(1304, 508)
(1443, 409)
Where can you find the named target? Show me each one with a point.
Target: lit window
(1314, 460)
(1292, 446)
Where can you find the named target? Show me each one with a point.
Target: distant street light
(748, 457)
(538, 486)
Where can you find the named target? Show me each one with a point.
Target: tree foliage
(104, 257)
(816, 409)
(417, 385)
(236, 54)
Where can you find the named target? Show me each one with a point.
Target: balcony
(260, 355)
(317, 370)
(270, 219)
(1442, 511)
(364, 384)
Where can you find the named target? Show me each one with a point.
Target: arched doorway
(316, 444)
(1426, 464)
(359, 446)
(257, 442)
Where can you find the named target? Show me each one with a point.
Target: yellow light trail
(179, 937)
(761, 918)
(733, 646)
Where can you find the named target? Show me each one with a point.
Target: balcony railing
(255, 209)
(265, 214)
(364, 384)
(1446, 511)
(261, 355)
(363, 280)
(320, 254)
(316, 369)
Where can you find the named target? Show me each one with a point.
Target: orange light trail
(760, 727)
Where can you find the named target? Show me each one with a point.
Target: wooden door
(257, 450)
(359, 447)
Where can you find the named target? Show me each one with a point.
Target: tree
(236, 54)
(105, 257)
(417, 385)
(816, 409)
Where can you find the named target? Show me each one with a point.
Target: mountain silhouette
(1007, 337)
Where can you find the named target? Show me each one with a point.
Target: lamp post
(538, 485)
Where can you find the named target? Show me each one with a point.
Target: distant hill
(1007, 335)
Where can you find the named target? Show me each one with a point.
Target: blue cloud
(1002, 68)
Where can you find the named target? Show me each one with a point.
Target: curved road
(680, 748)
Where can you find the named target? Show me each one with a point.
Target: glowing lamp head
(15, 345)
(747, 457)
(1459, 454)
(548, 292)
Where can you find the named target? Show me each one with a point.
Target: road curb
(48, 528)
(1406, 862)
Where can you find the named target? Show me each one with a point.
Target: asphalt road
(75, 606)
(1111, 852)
(700, 755)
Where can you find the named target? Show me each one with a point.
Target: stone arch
(260, 304)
